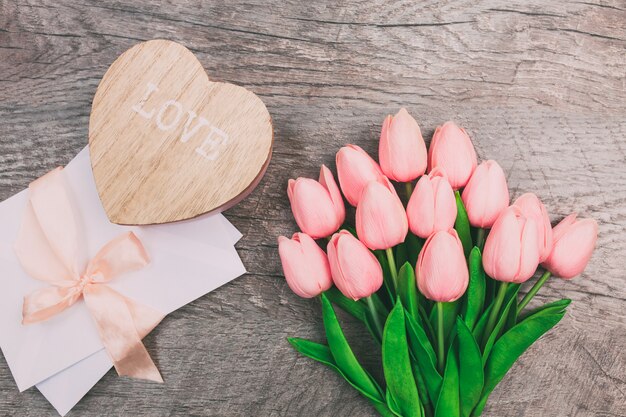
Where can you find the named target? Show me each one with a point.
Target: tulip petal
(573, 246)
(313, 208)
(442, 273)
(328, 181)
(402, 151)
(421, 211)
(501, 258)
(356, 271)
(381, 221)
(355, 169)
(529, 255)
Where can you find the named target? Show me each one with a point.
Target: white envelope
(185, 264)
(65, 389)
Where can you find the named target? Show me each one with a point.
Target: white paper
(65, 389)
(187, 262)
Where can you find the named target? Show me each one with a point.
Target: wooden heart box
(168, 144)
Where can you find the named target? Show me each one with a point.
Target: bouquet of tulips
(435, 279)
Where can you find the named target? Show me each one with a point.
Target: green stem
(533, 291)
(493, 316)
(408, 187)
(440, 348)
(375, 316)
(480, 238)
(392, 268)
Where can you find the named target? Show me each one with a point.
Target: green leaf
(397, 364)
(354, 308)
(422, 390)
(408, 290)
(510, 347)
(462, 226)
(391, 403)
(425, 357)
(450, 311)
(471, 376)
(424, 321)
(490, 289)
(343, 355)
(448, 404)
(322, 354)
(510, 299)
(479, 329)
(475, 295)
(551, 308)
(511, 319)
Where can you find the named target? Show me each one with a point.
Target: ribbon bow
(50, 248)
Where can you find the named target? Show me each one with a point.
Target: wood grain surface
(539, 85)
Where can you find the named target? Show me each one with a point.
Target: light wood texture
(539, 86)
(166, 143)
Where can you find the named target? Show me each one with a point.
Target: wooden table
(540, 86)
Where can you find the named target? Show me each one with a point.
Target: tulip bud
(355, 270)
(305, 265)
(574, 241)
(486, 194)
(401, 150)
(511, 250)
(381, 221)
(452, 151)
(355, 169)
(533, 208)
(441, 270)
(317, 206)
(432, 206)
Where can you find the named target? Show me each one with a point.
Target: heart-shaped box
(167, 144)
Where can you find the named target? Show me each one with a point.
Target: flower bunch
(435, 280)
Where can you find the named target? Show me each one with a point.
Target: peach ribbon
(50, 247)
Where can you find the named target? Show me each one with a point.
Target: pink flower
(511, 250)
(355, 168)
(432, 206)
(401, 150)
(441, 270)
(381, 221)
(574, 241)
(533, 208)
(452, 151)
(305, 265)
(355, 270)
(317, 206)
(486, 194)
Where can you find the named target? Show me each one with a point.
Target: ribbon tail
(121, 325)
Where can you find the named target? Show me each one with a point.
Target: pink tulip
(486, 194)
(432, 206)
(381, 221)
(452, 151)
(574, 241)
(355, 270)
(305, 265)
(511, 251)
(441, 270)
(355, 169)
(401, 150)
(317, 206)
(533, 208)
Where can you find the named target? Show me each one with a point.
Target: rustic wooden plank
(540, 87)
